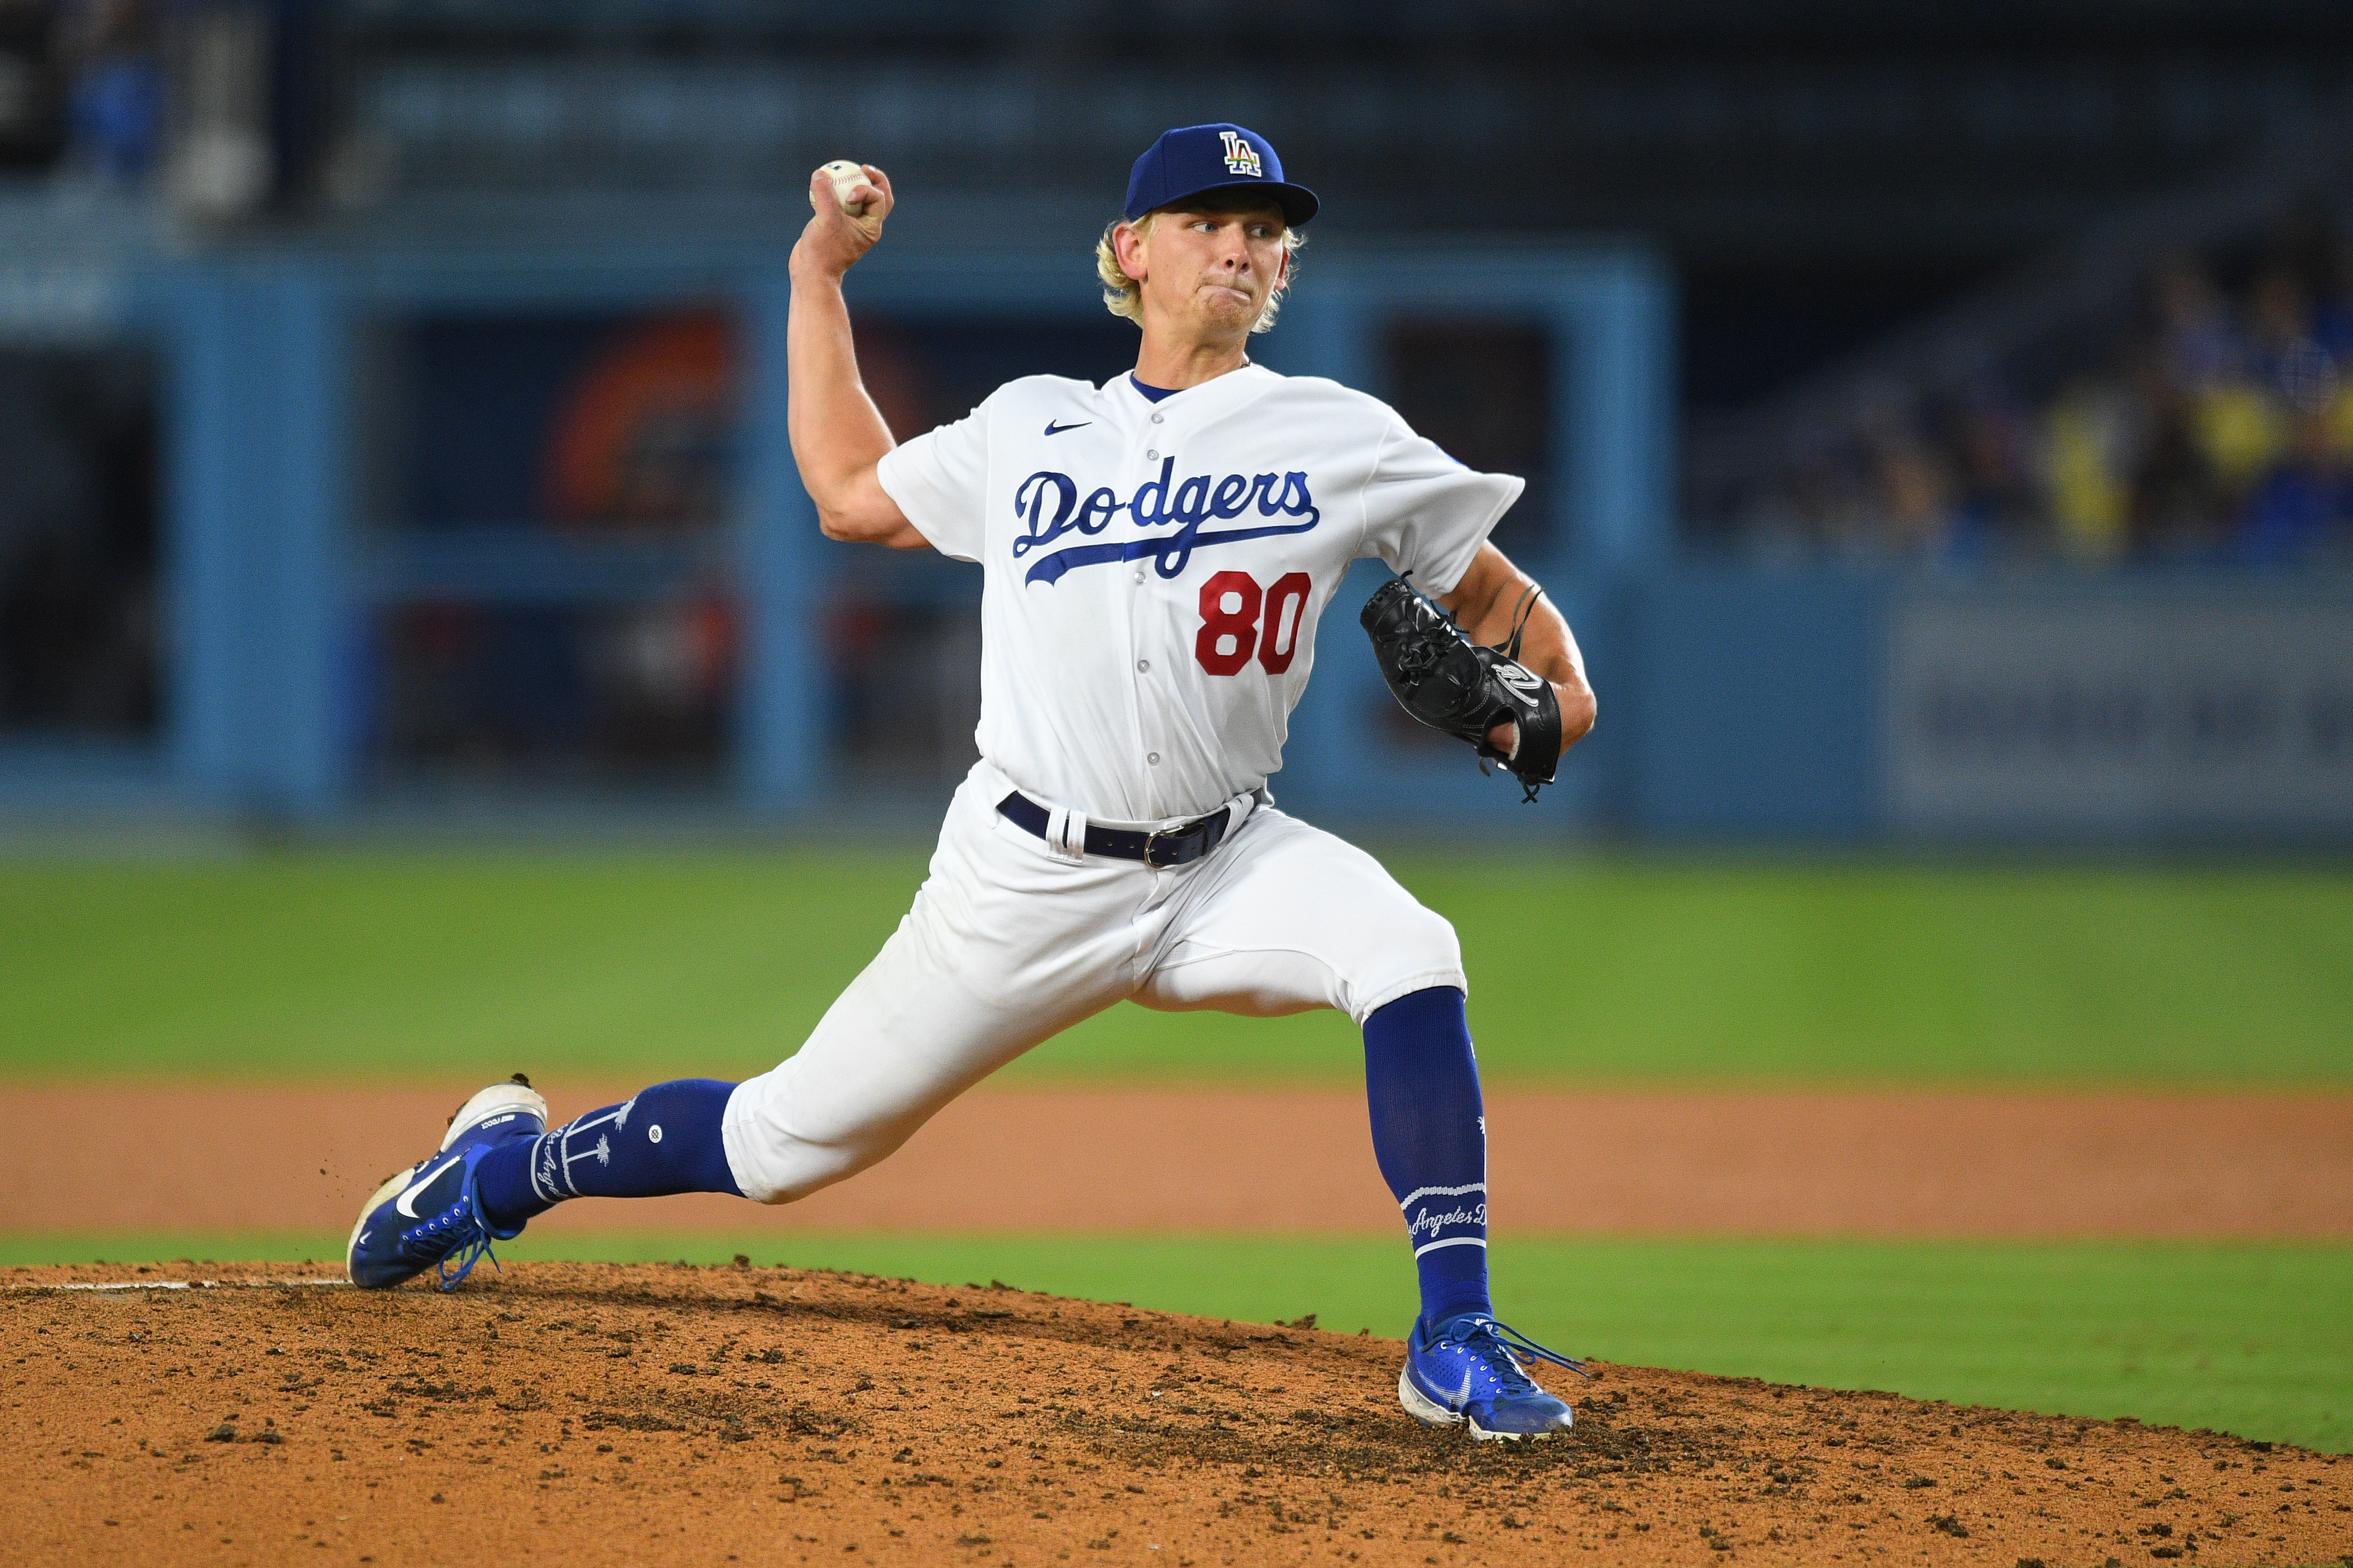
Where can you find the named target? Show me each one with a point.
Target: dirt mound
(595, 1413)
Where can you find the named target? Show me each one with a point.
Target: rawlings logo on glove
(1449, 683)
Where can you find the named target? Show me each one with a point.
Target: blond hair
(1123, 296)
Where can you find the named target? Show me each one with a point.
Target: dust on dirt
(602, 1414)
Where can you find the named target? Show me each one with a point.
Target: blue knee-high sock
(1429, 1135)
(666, 1140)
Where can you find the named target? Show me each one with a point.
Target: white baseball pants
(1008, 945)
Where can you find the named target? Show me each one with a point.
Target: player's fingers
(1504, 737)
(827, 204)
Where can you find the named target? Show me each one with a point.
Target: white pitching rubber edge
(108, 1287)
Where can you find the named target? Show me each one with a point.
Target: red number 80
(1232, 626)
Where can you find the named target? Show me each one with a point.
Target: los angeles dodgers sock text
(1429, 1135)
(666, 1140)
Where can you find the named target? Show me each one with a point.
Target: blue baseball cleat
(1468, 1368)
(422, 1217)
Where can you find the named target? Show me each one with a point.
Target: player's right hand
(833, 241)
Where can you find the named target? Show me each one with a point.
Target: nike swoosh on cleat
(1054, 429)
(409, 1193)
(1462, 1394)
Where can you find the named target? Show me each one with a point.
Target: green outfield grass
(2249, 1339)
(417, 965)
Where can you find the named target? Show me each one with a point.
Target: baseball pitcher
(1157, 553)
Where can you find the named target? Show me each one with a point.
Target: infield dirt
(1152, 1159)
(595, 1413)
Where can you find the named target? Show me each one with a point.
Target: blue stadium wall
(1735, 703)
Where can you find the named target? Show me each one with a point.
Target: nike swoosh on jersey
(1054, 429)
(410, 1193)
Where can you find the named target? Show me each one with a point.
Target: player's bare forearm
(837, 433)
(1490, 596)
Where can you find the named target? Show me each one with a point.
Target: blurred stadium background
(1935, 419)
(1939, 429)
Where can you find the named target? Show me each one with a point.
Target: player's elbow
(879, 526)
(856, 509)
(841, 525)
(1577, 711)
(859, 524)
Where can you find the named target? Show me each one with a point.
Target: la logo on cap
(1241, 158)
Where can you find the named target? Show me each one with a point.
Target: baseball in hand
(847, 177)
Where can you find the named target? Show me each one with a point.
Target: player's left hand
(1482, 695)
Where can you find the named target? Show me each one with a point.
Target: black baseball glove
(1449, 683)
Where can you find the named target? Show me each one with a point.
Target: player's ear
(1128, 246)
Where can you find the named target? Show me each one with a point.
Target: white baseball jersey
(1153, 576)
(1154, 571)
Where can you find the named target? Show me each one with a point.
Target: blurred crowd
(2214, 427)
(81, 90)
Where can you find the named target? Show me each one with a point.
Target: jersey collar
(1252, 375)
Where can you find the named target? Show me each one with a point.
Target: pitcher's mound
(582, 1413)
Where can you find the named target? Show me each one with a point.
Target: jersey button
(1156, 419)
(1139, 574)
(1152, 757)
(1151, 456)
(1143, 664)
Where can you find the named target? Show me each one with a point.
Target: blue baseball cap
(1194, 159)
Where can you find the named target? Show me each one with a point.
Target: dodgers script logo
(1192, 502)
(1241, 158)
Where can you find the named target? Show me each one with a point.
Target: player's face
(1214, 266)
